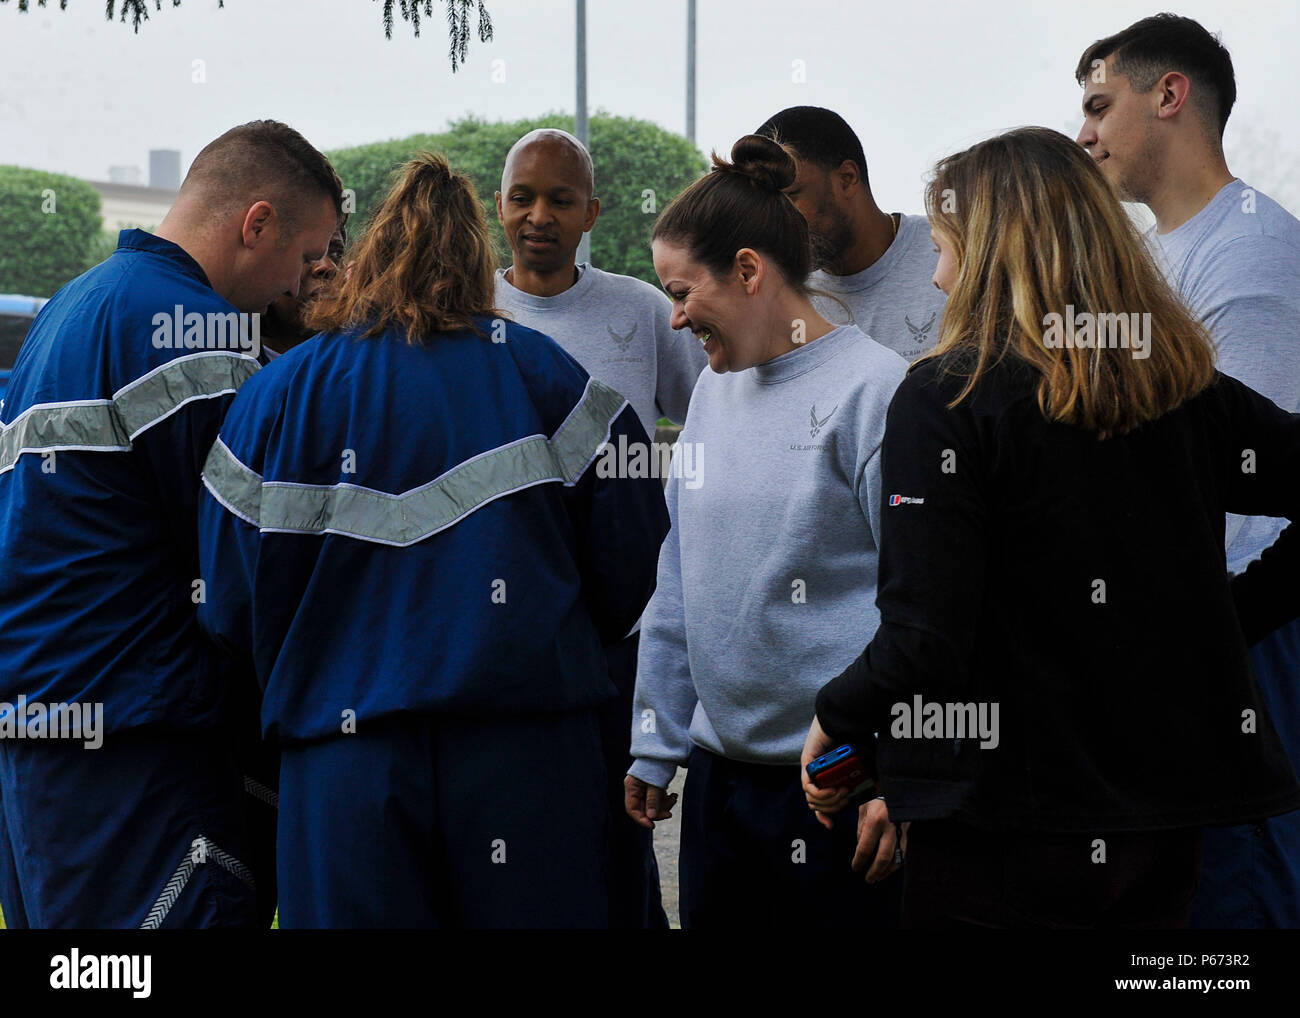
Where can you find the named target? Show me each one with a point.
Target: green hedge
(49, 230)
(630, 156)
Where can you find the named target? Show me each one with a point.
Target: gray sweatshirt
(894, 301)
(617, 328)
(1236, 264)
(767, 579)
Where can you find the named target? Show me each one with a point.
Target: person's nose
(678, 319)
(1087, 136)
(540, 214)
(325, 269)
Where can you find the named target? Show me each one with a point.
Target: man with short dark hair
(881, 266)
(1156, 99)
(116, 397)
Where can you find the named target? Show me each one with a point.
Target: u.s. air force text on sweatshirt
(767, 578)
(393, 527)
(1079, 584)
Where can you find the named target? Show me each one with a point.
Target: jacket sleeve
(871, 435)
(1239, 304)
(932, 566)
(229, 536)
(187, 399)
(1263, 479)
(664, 701)
(620, 522)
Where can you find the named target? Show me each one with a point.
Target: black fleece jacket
(1080, 584)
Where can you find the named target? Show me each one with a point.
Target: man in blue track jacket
(120, 805)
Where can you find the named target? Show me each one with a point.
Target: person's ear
(500, 218)
(593, 211)
(1173, 91)
(750, 269)
(846, 179)
(258, 221)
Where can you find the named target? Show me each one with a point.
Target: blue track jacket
(393, 527)
(106, 425)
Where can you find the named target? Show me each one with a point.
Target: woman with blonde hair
(1060, 683)
(403, 534)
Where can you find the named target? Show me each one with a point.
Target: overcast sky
(916, 79)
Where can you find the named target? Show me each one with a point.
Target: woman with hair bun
(767, 578)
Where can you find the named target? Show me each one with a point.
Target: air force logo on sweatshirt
(820, 422)
(816, 422)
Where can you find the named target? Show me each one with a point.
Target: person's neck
(542, 284)
(181, 228)
(1177, 198)
(873, 233)
(794, 323)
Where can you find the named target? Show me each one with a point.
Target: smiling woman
(770, 562)
(737, 218)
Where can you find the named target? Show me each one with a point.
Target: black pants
(634, 896)
(960, 876)
(754, 857)
(432, 821)
(259, 767)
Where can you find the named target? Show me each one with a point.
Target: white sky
(916, 79)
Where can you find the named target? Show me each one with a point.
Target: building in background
(124, 175)
(129, 204)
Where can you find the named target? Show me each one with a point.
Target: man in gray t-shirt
(874, 269)
(1236, 264)
(616, 327)
(1156, 99)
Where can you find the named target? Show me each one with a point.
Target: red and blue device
(842, 768)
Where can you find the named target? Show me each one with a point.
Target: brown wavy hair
(1035, 228)
(424, 264)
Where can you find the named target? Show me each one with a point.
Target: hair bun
(761, 160)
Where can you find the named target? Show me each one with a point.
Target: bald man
(129, 811)
(617, 327)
